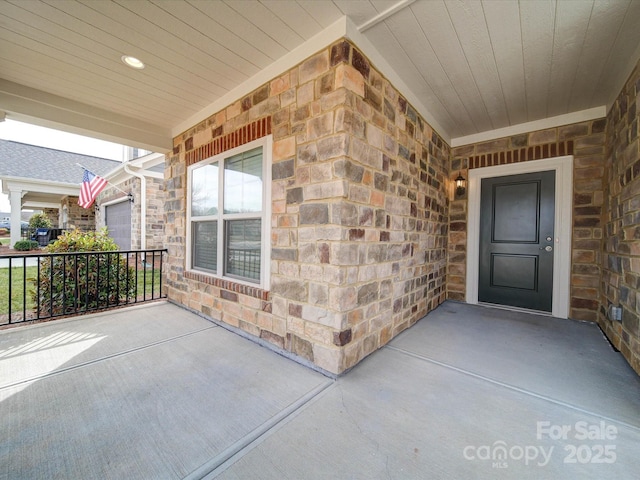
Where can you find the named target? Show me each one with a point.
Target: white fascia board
(147, 161)
(53, 111)
(120, 176)
(140, 165)
(116, 176)
(333, 32)
(112, 174)
(543, 124)
(40, 186)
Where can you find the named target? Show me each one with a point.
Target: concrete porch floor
(155, 392)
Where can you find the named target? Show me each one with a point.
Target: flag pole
(129, 194)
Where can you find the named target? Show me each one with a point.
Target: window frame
(266, 143)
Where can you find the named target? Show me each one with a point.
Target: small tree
(70, 283)
(39, 220)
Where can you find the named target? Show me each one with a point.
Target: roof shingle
(29, 161)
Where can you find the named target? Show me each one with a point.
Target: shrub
(39, 220)
(71, 283)
(26, 245)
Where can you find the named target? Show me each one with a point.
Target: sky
(47, 137)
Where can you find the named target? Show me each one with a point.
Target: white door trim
(563, 167)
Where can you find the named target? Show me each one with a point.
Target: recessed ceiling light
(132, 62)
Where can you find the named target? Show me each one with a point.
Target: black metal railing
(40, 286)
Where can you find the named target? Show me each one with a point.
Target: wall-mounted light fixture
(461, 185)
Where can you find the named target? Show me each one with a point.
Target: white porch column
(15, 199)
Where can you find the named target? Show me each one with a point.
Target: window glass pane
(205, 245)
(242, 248)
(204, 190)
(243, 182)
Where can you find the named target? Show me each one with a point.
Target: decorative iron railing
(41, 286)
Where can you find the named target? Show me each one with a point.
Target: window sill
(226, 284)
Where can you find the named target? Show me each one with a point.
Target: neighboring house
(47, 179)
(131, 226)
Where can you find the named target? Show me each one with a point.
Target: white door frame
(563, 166)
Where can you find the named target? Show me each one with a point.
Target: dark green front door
(516, 240)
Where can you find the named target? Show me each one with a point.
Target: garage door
(118, 220)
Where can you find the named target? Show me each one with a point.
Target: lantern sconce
(461, 185)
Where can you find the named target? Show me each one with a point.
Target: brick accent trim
(228, 285)
(250, 132)
(537, 152)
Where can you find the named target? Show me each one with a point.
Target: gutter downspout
(143, 207)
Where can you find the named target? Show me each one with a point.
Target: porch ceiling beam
(36, 205)
(45, 109)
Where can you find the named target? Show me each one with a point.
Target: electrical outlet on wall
(615, 313)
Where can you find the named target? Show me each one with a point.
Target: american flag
(92, 185)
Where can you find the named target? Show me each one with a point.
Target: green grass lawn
(17, 289)
(19, 299)
(5, 241)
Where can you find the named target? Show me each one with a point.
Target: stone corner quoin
(359, 204)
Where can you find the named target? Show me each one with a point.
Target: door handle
(548, 248)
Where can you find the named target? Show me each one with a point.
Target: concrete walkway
(155, 392)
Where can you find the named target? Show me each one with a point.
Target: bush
(26, 245)
(72, 283)
(39, 220)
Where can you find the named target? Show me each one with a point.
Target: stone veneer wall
(53, 215)
(586, 142)
(155, 210)
(359, 211)
(78, 217)
(621, 262)
(156, 194)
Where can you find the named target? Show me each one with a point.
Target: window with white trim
(229, 215)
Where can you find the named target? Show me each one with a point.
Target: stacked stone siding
(53, 215)
(78, 217)
(586, 142)
(155, 213)
(621, 262)
(359, 211)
